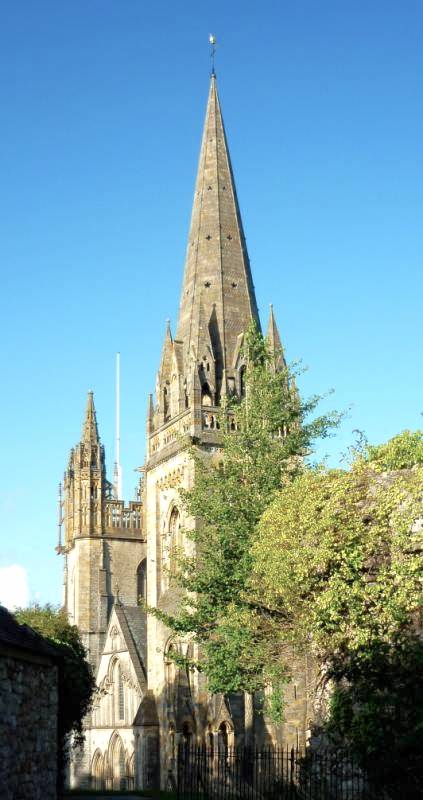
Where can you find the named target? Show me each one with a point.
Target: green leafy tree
(76, 681)
(338, 564)
(264, 439)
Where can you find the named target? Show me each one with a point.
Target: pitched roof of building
(12, 634)
(133, 624)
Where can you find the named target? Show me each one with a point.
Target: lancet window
(166, 410)
(171, 543)
(121, 694)
(142, 581)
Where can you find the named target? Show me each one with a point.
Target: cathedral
(117, 556)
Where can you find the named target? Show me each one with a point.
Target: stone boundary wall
(28, 715)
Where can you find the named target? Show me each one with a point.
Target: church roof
(133, 624)
(218, 298)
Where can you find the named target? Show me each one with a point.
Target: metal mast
(59, 548)
(118, 468)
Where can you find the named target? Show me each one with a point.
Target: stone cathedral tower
(103, 541)
(116, 553)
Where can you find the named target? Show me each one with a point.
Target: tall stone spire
(217, 300)
(274, 341)
(90, 429)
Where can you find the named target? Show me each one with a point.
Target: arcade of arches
(115, 769)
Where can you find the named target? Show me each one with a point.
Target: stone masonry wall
(28, 742)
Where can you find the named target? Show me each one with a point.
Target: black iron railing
(269, 774)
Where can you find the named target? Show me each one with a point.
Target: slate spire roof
(217, 299)
(90, 429)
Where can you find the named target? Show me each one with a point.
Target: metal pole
(118, 468)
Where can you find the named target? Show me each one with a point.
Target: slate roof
(12, 634)
(133, 623)
(218, 291)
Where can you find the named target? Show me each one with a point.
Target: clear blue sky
(101, 111)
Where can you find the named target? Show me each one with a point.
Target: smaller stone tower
(103, 544)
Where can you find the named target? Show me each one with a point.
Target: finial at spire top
(212, 40)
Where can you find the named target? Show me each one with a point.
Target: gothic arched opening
(206, 398)
(117, 760)
(166, 405)
(142, 581)
(223, 740)
(97, 779)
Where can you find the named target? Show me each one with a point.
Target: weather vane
(212, 40)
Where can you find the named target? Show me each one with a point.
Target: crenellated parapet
(120, 519)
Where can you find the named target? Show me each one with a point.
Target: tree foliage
(264, 438)
(401, 452)
(76, 681)
(338, 564)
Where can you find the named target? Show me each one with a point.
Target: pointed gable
(127, 632)
(133, 624)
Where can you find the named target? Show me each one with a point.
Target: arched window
(174, 523)
(206, 398)
(174, 539)
(97, 781)
(166, 404)
(170, 547)
(117, 760)
(142, 581)
(223, 740)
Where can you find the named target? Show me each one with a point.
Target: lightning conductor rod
(118, 468)
(59, 518)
